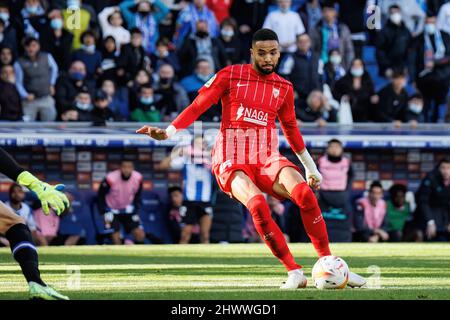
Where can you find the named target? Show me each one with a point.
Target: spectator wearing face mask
(330, 34)
(145, 15)
(133, 57)
(333, 69)
(117, 99)
(11, 30)
(201, 46)
(412, 11)
(230, 41)
(146, 109)
(357, 88)
(32, 13)
(101, 113)
(83, 105)
(415, 108)
(286, 24)
(111, 23)
(56, 40)
(188, 18)
(173, 97)
(393, 101)
(430, 69)
(69, 84)
(302, 69)
(86, 19)
(10, 102)
(192, 83)
(163, 56)
(89, 55)
(310, 13)
(142, 78)
(392, 43)
(316, 109)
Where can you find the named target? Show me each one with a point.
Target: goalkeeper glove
(50, 196)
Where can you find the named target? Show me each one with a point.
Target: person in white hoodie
(412, 14)
(111, 22)
(443, 18)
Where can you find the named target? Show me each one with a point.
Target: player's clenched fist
(153, 132)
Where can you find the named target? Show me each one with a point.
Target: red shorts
(263, 175)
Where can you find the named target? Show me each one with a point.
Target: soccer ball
(330, 272)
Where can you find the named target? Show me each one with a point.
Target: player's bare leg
(8, 218)
(250, 195)
(290, 184)
(205, 227)
(186, 233)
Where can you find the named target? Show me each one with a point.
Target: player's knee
(304, 197)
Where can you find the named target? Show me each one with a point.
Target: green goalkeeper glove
(50, 196)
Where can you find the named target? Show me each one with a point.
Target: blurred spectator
(333, 69)
(36, 74)
(430, 69)
(443, 18)
(393, 101)
(69, 85)
(188, 18)
(111, 23)
(10, 102)
(302, 69)
(32, 14)
(142, 77)
(316, 109)
(56, 40)
(412, 13)
(433, 203)
(398, 212)
(334, 193)
(392, 43)
(201, 45)
(146, 109)
(145, 15)
(357, 88)
(174, 216)
(415, 107)
(83, 105)
(310, 13)
(330, 34)
(133, 57)
(47, 226)
(192, 83)
(6, 56)
(221, 8)
(370, 216)
(118, 102)
(119, 201)
(250, 16)
(10, 31)
(17, 204)
(101, 114)
(163, 55)
(78, 18)
(110, 60)
(72, 236)
(287, 25)
(230, 41)
(352, 13)
(173, 97)
(195, 162)
(89, 55)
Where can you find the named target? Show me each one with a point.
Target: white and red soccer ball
(330, 272)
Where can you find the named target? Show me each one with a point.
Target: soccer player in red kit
(246, 160)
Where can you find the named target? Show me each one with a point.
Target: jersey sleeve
(286, 115)
(208, 95)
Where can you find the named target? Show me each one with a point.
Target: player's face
(126, 168)
(265, 55)
(444, 168)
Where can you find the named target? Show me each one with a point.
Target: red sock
(270, 232)
(315, 226)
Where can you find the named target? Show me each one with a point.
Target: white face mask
(415, 108)
(335, 59)
(357, 72)
(430, 28)
(396, 18)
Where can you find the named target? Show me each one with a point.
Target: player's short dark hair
(375, 184)
(172, 189)
(264, 35)
(334, 140)
(395, 188)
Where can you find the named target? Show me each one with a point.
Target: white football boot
(295, 280)
(355, 280)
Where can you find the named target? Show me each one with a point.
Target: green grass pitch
(241, 271)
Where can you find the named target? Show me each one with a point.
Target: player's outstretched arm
(50, 196)
(157, 133)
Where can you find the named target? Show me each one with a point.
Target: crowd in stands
(144, 60)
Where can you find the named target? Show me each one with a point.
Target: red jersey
(251, 102)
